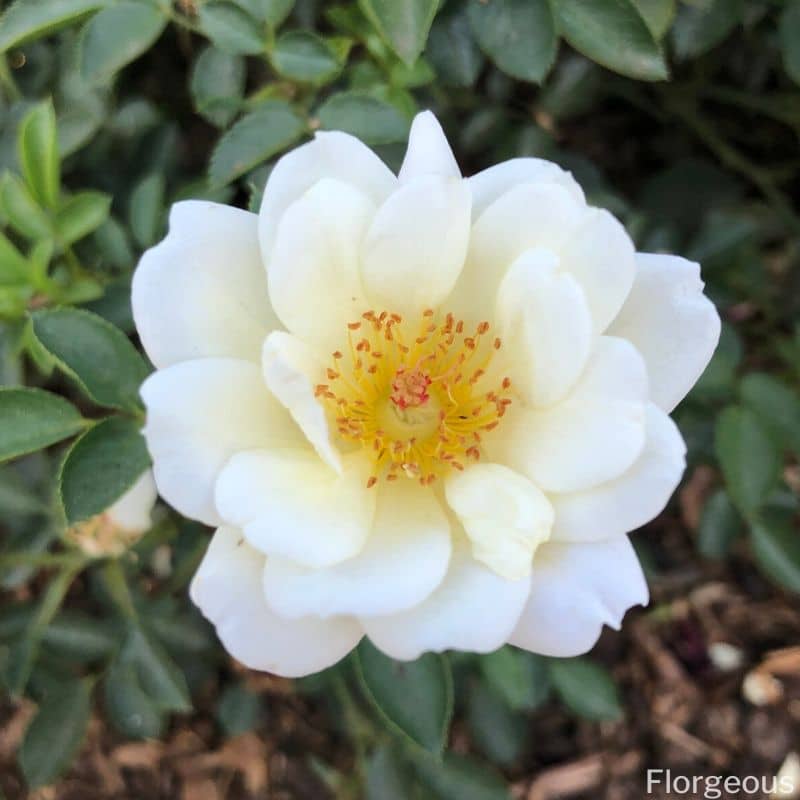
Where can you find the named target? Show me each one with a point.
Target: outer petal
(202, 291)
(488, 185)
(634, 498)
(132, 512)
(575, 589)
(227, 589)
(474, 609)
(289, 504)
(545, 325)
(199, 413)
(415, 248)
(505, 516)
(673, 325)
(291, 371)
(601, 257)
(403, 561)
(590, 437)
(331, 154)
(531, 216)
(428, 151)
(314, 280)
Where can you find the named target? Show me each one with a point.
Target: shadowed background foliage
(680, 117)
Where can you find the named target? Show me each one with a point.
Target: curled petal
(428, 151)
(132, 512)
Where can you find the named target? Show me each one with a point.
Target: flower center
(415, 396)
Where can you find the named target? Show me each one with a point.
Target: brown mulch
(709, 675)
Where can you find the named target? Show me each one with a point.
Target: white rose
(423, 408)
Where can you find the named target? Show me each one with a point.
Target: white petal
(331, 154)
(403, 561)
(290, 504)
(575, 590)
(314, 280)
(601, 257)
(199, 413)
(505, 516)
(291, 371)
(592, 436)
(428, 151)
(415, 248)
(531, 216)
(228, 590)
(132, 512)
(202, 291)
(488, 185)
(671, 322)
(545, 326)
(634, 498)
(474, 609)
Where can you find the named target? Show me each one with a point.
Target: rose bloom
(420, 407)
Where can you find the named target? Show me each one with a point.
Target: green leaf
(720, 524)
(159, 676)
(257, 136)
(238, 710)
(24, 214)
(31, 419)
(777, 406)
(81, 214)
(699, 29)
(146, 210)
(519, 677)
(18, 495)
(129, 708)
(231, 29)
(386, 779)
(776, 546)
(26, 20)
(37, 144)
(749, 459)
(75, 636)
(586, 688)
(452, 49)
(658, 14)
(414, 698)
(118, 35)
(789, 31)
(499, 733)
(13, 265)
(273, 12)
(404, 25)
(98, 356)
(217, 85)
(460, 778)
(56, 733)
(518, 35)
(100, 467)
(371, 120)
(304, 56)
(612, 33)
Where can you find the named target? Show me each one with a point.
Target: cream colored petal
(227, 589)
(575, 590)
(415, 247)
(292, 370)
(199, 413)
(291, 505)
(428, 151)
(202, 291)
(505, 516)
(133, 511)
(403, 561)
(671, 322)
(331, 154)
(632, 499)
